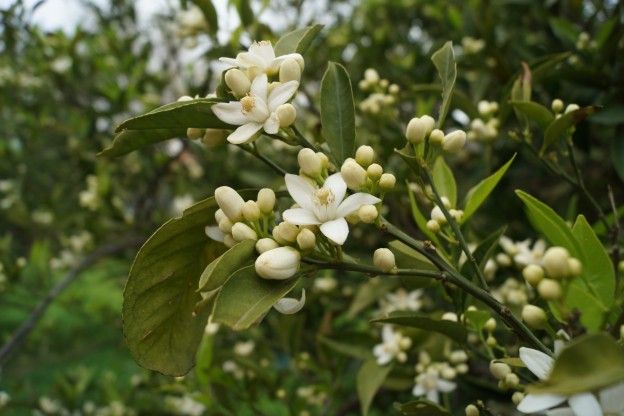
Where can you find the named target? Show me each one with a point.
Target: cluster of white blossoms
(433, 378)
(393, 346)
(421, 129)
(382, 95)
(485, 127)
(264, 85)
(521, 253)
(90, 197)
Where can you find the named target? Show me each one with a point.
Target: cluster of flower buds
(383, 95)
(472, 46)
(507, 379)
(557, 106)
(423, 128)
(313, 165)
(485, 128)
(511, 293)
(393, 346)
(437, 218)
(556, 265)
(584, 42)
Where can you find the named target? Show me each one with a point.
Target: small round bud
(194, 133)
(251, 212)
(571, 107)
(438, 215)
(219, 215)
(490, 325)
(471, 410)
(575, 267)
(290, 70)
(266, 200)
(512, 380)
(225, 225)
(499, 370)
(454, 141)
(533, 274)
(265, 244)
(324, 159)
(229, 241)
(384, 260)
(353, 218)
(448, 373)
(309, 163)
(374, 171)
(371, 75)
(534, 316)
(286, 114)
(449, 316)
(368, 214)
(436, 137)
(241, 231)
(387, 181)
(446, 202)
(418, 128)
(214, 137)
(306, 240)
(393, 89)
(517, 397)
(462, 368)
(555, 262)
(483, 107)
(364, 155)
(230, 202)
(457, 214)
(353, 174)
(549, 289)
(285, 233)
(279, 264)
(237, 82)
(433, 226)
(458, 356)
(557, 105)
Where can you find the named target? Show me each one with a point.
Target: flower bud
(225, 225)
(266, 200)
(384, 260)
(471, 410)
(306, 240)
(533, 274)
(449, 316)
(457, 214)
(499, 370)
(285, 233)
(557, 105)
(279, 263)
(454, 141)
(219, 215)
(290, 70)
(575, 267)
(371, 75)
(445, 202)
(353, 174)
(433, 226)
(251, 212)
(374, 171)
(309, 163)
(571, 107)
(549, 289)
(194, 133)
(534, 316)
(517, 397)
(324, 159)
(364, 155)
(512, 380)
(437, 215)
(265, 244)
(241, 231)
(436, 137)
(555, 262)
(229, 241)
(230, 202)
(418, 128)
(214, 137)
(393, 89)
(490, 325)
(286, 114)
(483, 107)
(387, 181)
(237, 82)
(368, 214)
(458, 356)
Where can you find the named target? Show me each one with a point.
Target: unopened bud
(324, 159)
(353, 174)
(194, 133)
(393, 89)
(368, 213)
(457, 214)
(285, 233)
(306, 240)
(225, 225)
(534, 316)
(384, 260)
(436, 137)
(471, 410)
(371, 75)
(387, 181)
(499, 370)
(219, 215)
(490, 325)
(230, 202)
(557, 105)
(237, 82)
(364, 155)
(309, 163)
(512, 380)
(575, 267)
(290, 70)
(241, 231)
(374, 171)
(454, 141)
(214, 137)
(517, 397)
(418, 128)
(265, 244)
(266, 200)
(286, 114)
(438, 215)
(533, 274)
(433, 226)
(571, 107)
(251, 212)
(555, 262)
(549, 289)
(229, 241)
(279, 263)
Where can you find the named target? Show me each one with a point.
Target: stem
(302, 140)
(253, 150)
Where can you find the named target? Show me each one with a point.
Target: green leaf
(477, 318)
(160, 326)
(420, 219)
(166, 122)
(338, 112)
(610, 116)
(210, 14)
(444, 180)
(422, 407)
(217, 272)
(245, 298)
(444, 61)
(458, 99)
(561, 125)
(479, 193)
(204, 359)
(535, 112)
(369, 293)
(245, 12)
(369, 379)
(297, 41)
(355, 351)
(566, 31)
(408, 258)
(589, 363)
(545, 220)
(453, 330)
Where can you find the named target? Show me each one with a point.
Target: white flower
(257, 110)
(244, 348)
(324, 206)
(261, 57)
(581, 404)
(289, 306)
(402, 300)
(393, 346)
(430, 384)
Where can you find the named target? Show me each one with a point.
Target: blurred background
(71, 222)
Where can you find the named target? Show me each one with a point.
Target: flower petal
(289, 306)
(354, 202)
(418, 390)
(230, 61)
(585, 404)
(561, 411)
(336, 230)
(296, 56)
(231, 113)
(244, 133)
(612, 398)
(281, 94)
(264, 50)
(533, 403)
(337, 186)
(301, 190)
(300, 216)
(248, 60)
(271, 125)
(537, 362)
(433, 396)
(260, 87)
(215, 233)
(446, 386)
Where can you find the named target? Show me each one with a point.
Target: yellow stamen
(248, 103)
(324, 196)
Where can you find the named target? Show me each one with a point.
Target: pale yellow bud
(286, 114)
(387, 181)
(533, 274)
(278, 264)
(418, 128)
(371, 75)
(251, 211)
(499, 370)
(229, 241)
(225, 225)
(265, 244)
(368, 213)
(555, 262)
(512, 381)
(194, 133)
(266, 200)
(219, 215)
(571, 107)
(490, 325)
(230, 202)
(214, 137)
(285, 233)
(364, 155)
(237, 82)
(549, 289)
(374, 171)
(557, 105)
(575, 267)
(384, 260)
(324, 159)
(438, 215)
(433, 226)
(306, 240)
(241, 231)
(517, 397)
(471, 410)
(353, 174)
(457, 214)
(454, 141)
(393, 89)
(309, 163)
(290, 70)
(534, 316)
(436, 137)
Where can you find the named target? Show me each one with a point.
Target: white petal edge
(260, 87)
(446, 386)
(336, 184)
(231, 113)
(354, 202)
(301, 190)
(433, 396)
(537, 362)
(561, 411)
(213, 232)
(264, 50)
(300, 216)
(244, 133)
(271, 125)
(289, 306)
(281, 94)
(337, 230)
(248, 60)
(533, 403)
(585, 404)
(612, 398)
(230, 61)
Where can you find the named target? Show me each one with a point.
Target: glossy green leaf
(297, 41)
(479, 193)
(444, 61)
(557, 129)
(453, 330)
(589, 363)
(160, 325)
(245, 298)
(338, 112)
(369, 379)
(444, 180)
(422, 407)
(534, 112)
(220, 269)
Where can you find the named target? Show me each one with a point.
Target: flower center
(324, 196)
(248, 103)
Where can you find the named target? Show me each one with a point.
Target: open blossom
(261, 57)
(392, 347)
(522, 252)
(257, 110)
(431, 384)
(325, 206)
(402, 300)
